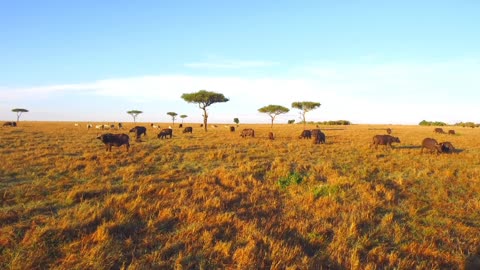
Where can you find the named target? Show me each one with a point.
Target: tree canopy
(204, 99)
(134, 114)
(273, 111)
(19, 112)
(173, 115)
(183, 116)
(305, 106)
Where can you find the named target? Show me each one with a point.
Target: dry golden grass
(214, 200)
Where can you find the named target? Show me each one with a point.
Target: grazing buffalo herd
(319, 137)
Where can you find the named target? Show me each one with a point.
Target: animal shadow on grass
(408, 147)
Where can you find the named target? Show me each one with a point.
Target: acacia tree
(19, 112)
(236, 121)
(183, 116)
(305, 106)
(134, 114)
(273, 111)
(204, 99)
(174, 116)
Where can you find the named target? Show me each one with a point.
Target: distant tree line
(432, 123)
(438, 123)
(467, 124)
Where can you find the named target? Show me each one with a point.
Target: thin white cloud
(361, 93)
(232, 64)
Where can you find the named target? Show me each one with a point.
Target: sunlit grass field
(214, 200)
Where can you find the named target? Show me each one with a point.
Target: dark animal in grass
(232, 129)
(248, 132)
(270, 136)
(439, 130)
(118, 140)
(180, 126)
(139, 130)
(306, 134)
(386, 140)
(319, 138)
(451, 132)
(432, 145)
(164, 133)
(389, 131)
(188, 130)
(447, 147)
(10, 124)
(314, 132)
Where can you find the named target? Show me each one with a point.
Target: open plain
(215, 200)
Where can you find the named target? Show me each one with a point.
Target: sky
(369, 62)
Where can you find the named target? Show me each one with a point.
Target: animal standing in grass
(432, 145)
(319, 137)
(118, 140)
(386, 140)
(248, 132)
(165, 132)
(139, 130)
(306, 134)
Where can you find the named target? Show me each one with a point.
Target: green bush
(292, 178)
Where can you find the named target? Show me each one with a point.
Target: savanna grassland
(213, 200)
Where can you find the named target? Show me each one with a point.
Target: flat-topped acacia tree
(19, 112)
(183, 116)
(273, 111)
(204, 99)
(305, 106)
(174, 116)
(134, 114)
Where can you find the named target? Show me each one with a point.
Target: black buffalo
(139, 130)
(10, 124)
(232, 129)
(270, 136)
(188, 130)
(164, 133)
(451, 132)
(432, 145)
(180, 126)
(306, 134)
(248, 132)
(319, 137)
(447, 147)
(118, 140)
(386, 140)
(314, 132)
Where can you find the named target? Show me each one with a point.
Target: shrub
(292, 178)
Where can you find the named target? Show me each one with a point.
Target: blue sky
(364, 61)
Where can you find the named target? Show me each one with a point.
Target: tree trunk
(304, 121)
(205, 116)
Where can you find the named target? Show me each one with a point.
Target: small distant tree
(236, 121)
(19, 112)
(305, 106)
(183, 116)
(204, 99)
(134, 114)
(273, 111)
(173, 115)
(291, 121)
